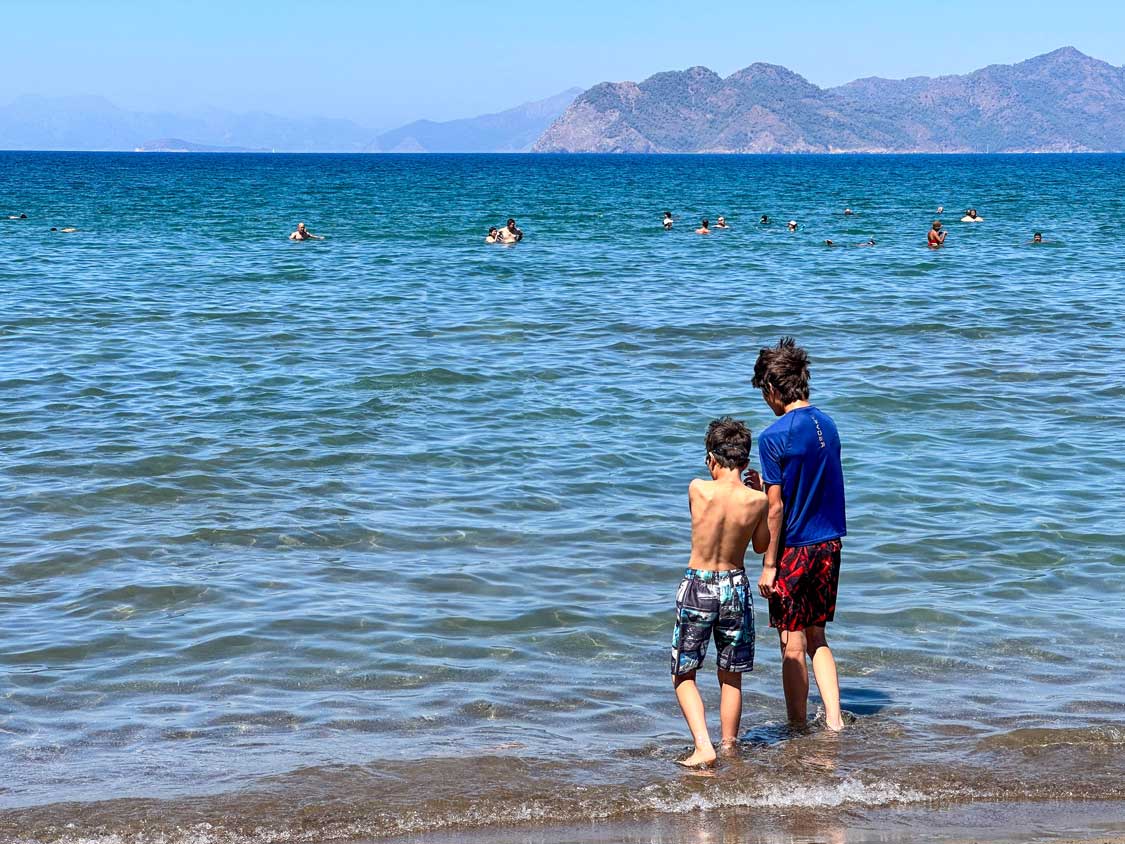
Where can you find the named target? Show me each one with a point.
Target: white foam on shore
(849, 791)
(664, 798)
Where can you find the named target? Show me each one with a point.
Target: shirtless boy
(714, 599)
(704, 227)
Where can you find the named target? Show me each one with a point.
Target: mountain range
(95, 123)
(1063, 101)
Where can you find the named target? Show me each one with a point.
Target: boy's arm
(775, 520)
(761, 538)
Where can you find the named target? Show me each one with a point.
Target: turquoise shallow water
(387, 527)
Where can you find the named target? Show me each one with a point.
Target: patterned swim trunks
(719, 604)
(804, 594)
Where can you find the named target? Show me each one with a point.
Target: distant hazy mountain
(94, 123)
(514, 130)
(1063, 101)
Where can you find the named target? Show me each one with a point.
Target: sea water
(381, 533)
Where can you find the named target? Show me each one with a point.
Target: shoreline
(1085, 822)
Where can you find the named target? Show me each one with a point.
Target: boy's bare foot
(699, 759)
(729, 747)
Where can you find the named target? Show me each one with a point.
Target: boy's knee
(730, 678)
(815, 639)
(683, 678)
(793, 646)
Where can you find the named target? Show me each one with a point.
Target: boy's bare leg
(691, 704)
(794, 675)
(824, 670)
(730, 706)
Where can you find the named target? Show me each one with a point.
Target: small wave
(849, 791)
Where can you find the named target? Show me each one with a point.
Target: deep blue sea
(380, 534)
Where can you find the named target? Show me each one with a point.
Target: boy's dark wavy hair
(728, 440)
(785, 368)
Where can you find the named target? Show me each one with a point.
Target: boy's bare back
(726, 516)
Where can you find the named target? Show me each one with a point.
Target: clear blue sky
(382, 63)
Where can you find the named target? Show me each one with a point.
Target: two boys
(797, 522)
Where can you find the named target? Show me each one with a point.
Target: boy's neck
(725, 475)
(797, 405)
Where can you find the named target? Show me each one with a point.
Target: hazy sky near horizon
(383, 64)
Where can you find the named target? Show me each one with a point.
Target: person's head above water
(782, 374)
(511, 222)
(300, 227)
(493, 230)
(937, 225)
(667, 215)
(1037, 237)
(765, 219)
(848, 212)
(705, 223)
(728, 444)
(792, 225)
(722, 220)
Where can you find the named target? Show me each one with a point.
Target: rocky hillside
(1063, 101)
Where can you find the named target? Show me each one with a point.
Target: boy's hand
(766, 581)
(753, 480)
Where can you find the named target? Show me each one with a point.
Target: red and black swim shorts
(804, 594)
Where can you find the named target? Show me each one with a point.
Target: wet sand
(1093, 822)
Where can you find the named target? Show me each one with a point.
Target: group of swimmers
(935, 237)
(511, 233)
(706, 228)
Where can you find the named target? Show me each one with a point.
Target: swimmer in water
(704, 227)
(936, 237)
(829, 243)
(667, 223)
(493, 235)
(722, 223)
(304, 234)
(1037, 237)
(848, 212)
(17, 216)
(792, 225)
(511, 233)
(765, 221)
(870, 242)
(971, 217)
(941, 209)
(67, 230)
